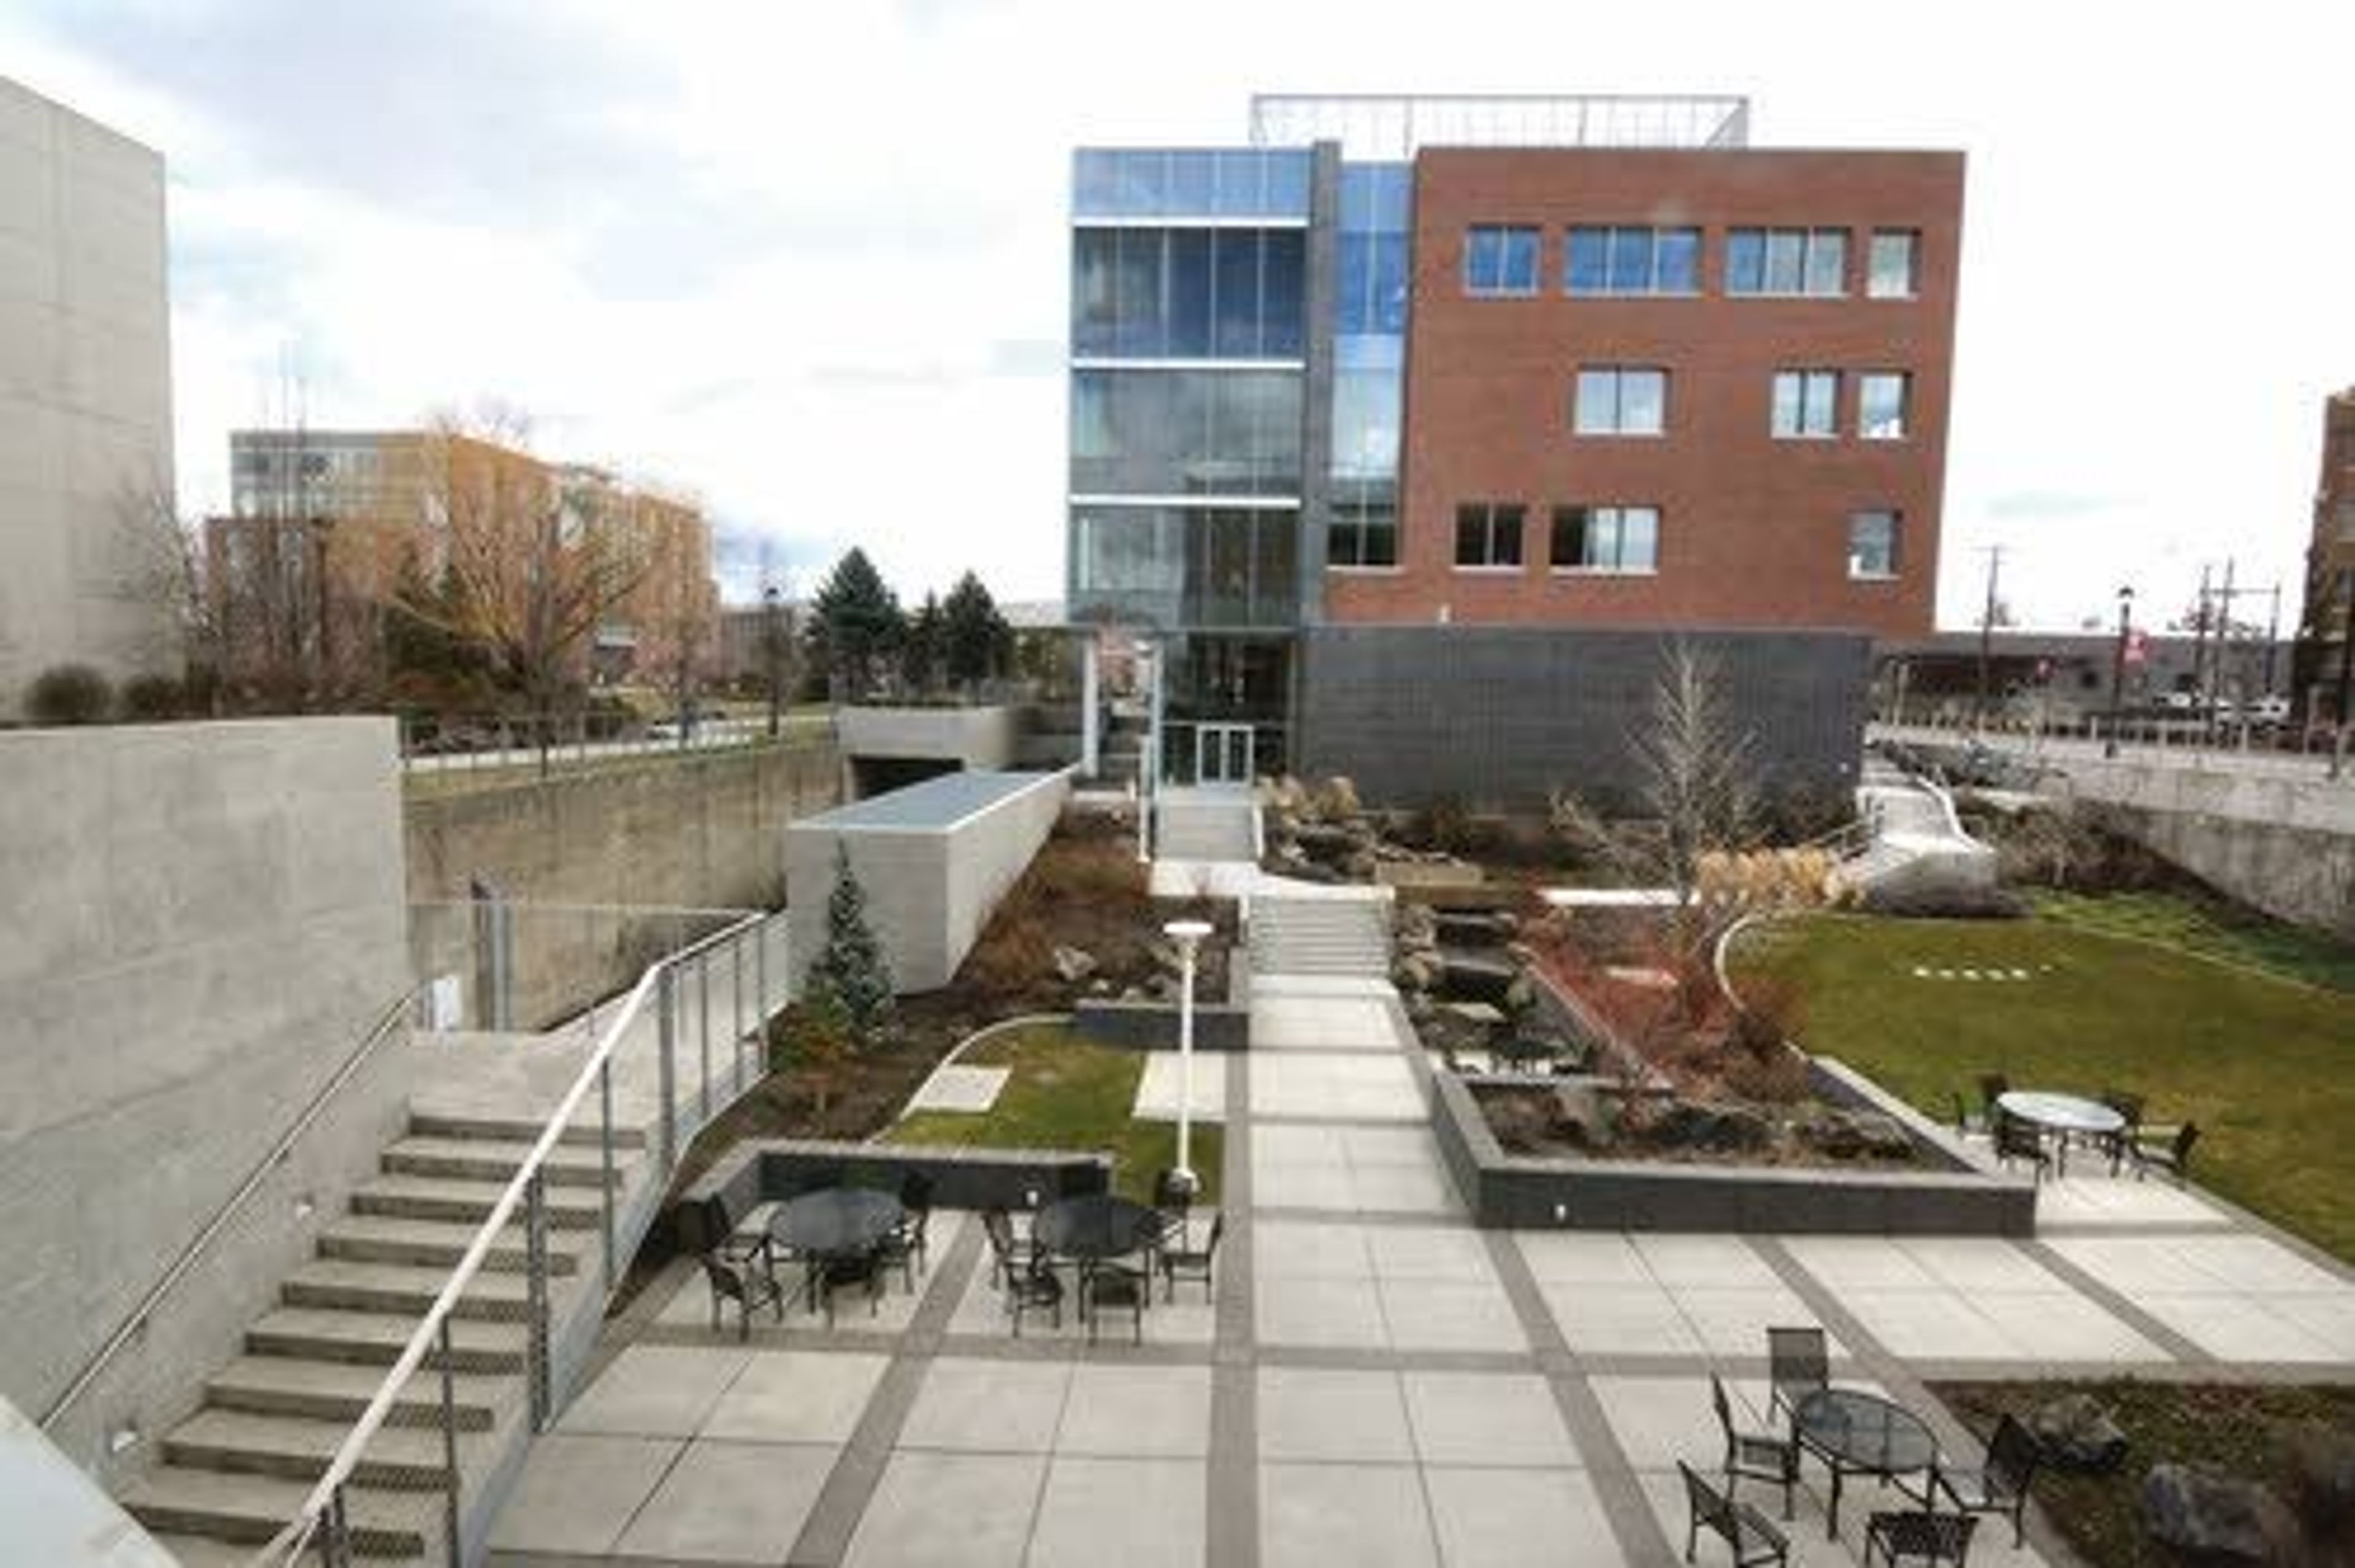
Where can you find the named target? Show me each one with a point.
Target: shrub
(68, 694)
(851, 964)
(819, 1040)
(149, 698)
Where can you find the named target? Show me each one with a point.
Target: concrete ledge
(763, 1170)
(1504, 1191)
(1153, 1026)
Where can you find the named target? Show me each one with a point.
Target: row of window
(1622, 539)
(1604, 259)
(1633, 399)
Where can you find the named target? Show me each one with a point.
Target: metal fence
(492, 742)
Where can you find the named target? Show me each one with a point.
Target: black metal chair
(2000, 1482)
(1190, 1265)
(1966, 1124)
(842, 1270)
(1798, 1362)
(1920, 1533)
(1750, 1534)
(1174, 1201)
(2016, 1139)
(1761, 1456)
(1034, 1286)
(2120, 1145)
(749, 1281)
(2174, 1156)
(1993, 1086)
(904, 1247)
(1009, 1256)
(1116, 1285)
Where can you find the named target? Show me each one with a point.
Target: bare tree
(163, 558)
(1696, 770)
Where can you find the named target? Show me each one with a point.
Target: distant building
(85, 397)
(2063, 677)
(2331, 565)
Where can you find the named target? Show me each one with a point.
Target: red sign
(2137, 650)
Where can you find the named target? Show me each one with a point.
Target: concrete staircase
(1214, 827)
(272, 1418)
(1319, 936)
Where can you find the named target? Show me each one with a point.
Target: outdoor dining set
(2039, 1128)
(1111, 1247)
(1854, 1431)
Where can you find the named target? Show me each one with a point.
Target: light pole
(1188, 934)
(2118, 673)
(773, 636)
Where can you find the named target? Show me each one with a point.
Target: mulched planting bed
(1530, 1120)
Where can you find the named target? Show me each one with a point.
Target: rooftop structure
(1381, 126)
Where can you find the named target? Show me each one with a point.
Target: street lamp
(1188, 934)
(773, 646)
(2118, 673)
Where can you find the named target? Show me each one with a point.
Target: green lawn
(1067, 1093)
(2212, 930)
(2266, 1067)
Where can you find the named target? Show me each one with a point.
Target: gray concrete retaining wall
(2305, 875)
(1497, 716)
(1153, 1026)
(204, 921)
(978, 740)
(763, 1170)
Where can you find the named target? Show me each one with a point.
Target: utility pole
(2118, 675)
(773, 645)
(1986, 633)
(2345, 667)
(2273, 636)
(2199, 654)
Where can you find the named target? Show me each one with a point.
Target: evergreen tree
(851, 966)
(979, 642)
(854, 624)
(920, 650)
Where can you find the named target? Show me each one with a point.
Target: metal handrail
(297, 1533)
(381, 1031)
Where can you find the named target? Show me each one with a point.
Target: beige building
(85, 395)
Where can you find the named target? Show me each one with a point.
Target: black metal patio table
(834, 1222)
(1096, 1226)
(1856, 1433)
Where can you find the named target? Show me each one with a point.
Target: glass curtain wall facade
(1370, 306)
(1189, 379)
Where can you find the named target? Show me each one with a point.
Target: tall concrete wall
(203, 921)
(1497, 716)
(85, 393)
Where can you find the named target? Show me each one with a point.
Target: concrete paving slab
(2061, 1326)
(1299, 1143)
(578, 1493)
(981, 1312)
(949, 1510)
(1138, 1513)
(1843, 1264)
(796, 1396)
(1334, 1088)
(1368, 1516)
(1430, 1315)
(1319, 1413)
(2330, 1316)
(1365, 1146)
(2255, 1265)
(1455, 1253)
(1136, 1413)
(2237, 1327)
(1158, 1093)
(1734, 1322)
(1978, 1262)
(1931, 1325)
(1721, 1262)
(1311, 1249)
(1520, 1519)
(2101, 1201)
(1486, 1419)
(656, 1390)
(2135, 1266)
(1659, 1421)
(730, 1502)
(1404, 1189)
(1325, 1187)
(1323, 1312)
(988, 1406)
(960, 1088)
(1623, 1320)
(1582, 1257)
(1322, 1023)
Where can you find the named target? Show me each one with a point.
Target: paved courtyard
(1376, 1382)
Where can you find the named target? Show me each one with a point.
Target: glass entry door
(1222, 753)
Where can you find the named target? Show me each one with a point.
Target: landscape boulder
(2077, 1433)
(2205, 1514)
(1857, 1134)
(1582, 1117)
(2322, 1479)
(1725, 1129)
(1074, 965)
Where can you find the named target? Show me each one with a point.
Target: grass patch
(2266, 1069)
(2241, 1429)
(1067, 1093)
(2209, 929)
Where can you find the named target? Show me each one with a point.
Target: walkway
(1376, 1382)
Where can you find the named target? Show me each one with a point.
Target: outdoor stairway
(1319, 936)
(272, 1418)
(1218, 828)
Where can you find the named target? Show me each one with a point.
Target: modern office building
(1562, 364)
(85, 397)
(2326, 656)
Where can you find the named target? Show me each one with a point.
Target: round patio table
(1856, 1433)
(2072, 1116)
(836, 1222)
(1095, 1227)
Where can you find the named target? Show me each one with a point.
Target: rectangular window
(1807, 404)
(1891, 275)
(1620, 399)
(1881, 404)
(1632, 261)
(1606, 538)
(1800, 262)
(1488, 534)
(1364, 532)
(1501, 259)
(1872, 544)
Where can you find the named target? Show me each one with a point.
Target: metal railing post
(450, 1447)
(605, 1159)
(665, 999)
(336, 1534)
(703, 1035)
(535, 1256)
(736, 1003)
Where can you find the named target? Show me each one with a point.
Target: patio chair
(2173, 1157)
(718, 1231)
(1009, 1256)
(1920, 1533)
(2000, 1485)
(2120, 1144)
(1797, 1365)
(1115, 1286)
(843, 1270)
(1179, 1262)
(749, 1281)
(1993, 1086)
(1761, 1456)
(2018, 1139)
(1033, 1286)
(1966, 1124)
(904, 1248)
(1750, 1534)
(1174, 1202)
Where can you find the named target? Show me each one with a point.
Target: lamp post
(772, 637)
(2118, 673)
(1188, 934)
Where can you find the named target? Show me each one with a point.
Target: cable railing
(685, 1010)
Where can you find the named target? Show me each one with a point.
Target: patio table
(1856, 1433)
(2070, 1117)
(1095, 1227)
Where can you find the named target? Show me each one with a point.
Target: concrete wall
(204, 921)
(978, 740)
(929, 889)
(1497, 716)
(85, 393)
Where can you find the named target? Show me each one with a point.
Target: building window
(1489, 535)
(1620, 399)
(1881, 397)
(1500, 260)
(1364, 530)
(1894, 256)
(1872, 544)
(1807, 404)
(1620, 260)
(1812, 261)
(1606, 538)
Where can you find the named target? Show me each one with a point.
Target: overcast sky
(808, 261)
